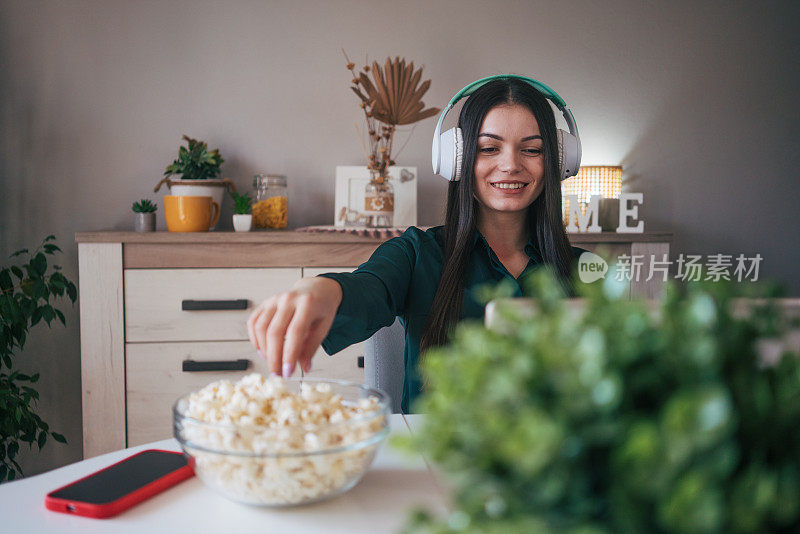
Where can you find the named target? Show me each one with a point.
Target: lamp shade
(604, 180)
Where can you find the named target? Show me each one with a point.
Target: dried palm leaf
(410, 81)
(395, 91)
(393, 96)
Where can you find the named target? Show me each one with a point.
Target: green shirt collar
(531, 248)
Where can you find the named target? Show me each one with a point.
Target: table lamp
(603, 180)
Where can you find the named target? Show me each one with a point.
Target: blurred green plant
(195, 161)
(241, 203)
(617, 418)
(144, 206)
(27, 293)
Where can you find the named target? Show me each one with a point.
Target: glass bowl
(289, 465)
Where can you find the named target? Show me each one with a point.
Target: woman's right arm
(287, 329)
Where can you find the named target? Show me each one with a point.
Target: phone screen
(115, 482)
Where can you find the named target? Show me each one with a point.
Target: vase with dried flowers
(393, 97)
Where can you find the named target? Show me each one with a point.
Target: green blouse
(400, 280)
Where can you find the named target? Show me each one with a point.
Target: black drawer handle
(192, 366)
(360, 362)
(208, 305)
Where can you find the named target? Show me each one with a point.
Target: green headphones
(448, 148)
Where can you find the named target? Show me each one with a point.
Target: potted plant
(27, 295)
(242, 219)
(199, 169)
(681, 416)
(145, 215)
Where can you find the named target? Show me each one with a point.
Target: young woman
(503, 220)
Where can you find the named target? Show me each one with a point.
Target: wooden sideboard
(140, 327)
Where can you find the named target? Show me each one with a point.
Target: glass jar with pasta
(270, 209)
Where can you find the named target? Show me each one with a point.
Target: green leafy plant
(241, 203)
(144, 206)
(618, 418)
(27, 294)
(195, 161)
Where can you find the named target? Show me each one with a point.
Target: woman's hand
(287, 329)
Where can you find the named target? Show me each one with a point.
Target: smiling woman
(503, 221)
(509, 168)
(509, 194)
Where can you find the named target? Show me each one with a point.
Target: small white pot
(242, 223)
(195, 188)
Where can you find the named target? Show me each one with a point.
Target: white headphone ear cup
(450, 152)
(567, 154)
(459, 142)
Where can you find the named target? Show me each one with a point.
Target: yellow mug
(190, 214)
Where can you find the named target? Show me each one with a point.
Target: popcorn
(258, 416)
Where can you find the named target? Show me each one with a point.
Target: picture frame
(351, 180)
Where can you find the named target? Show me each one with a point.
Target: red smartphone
(117, 487)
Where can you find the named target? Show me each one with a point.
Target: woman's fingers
(277, 330)
(287, 328)
(251, 324)
(297, 334)
(275, 336)
(261, 324)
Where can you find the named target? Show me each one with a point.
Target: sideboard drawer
(161, 304)
(155, 378)
(341, 366)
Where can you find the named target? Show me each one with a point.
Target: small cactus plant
(144, 206)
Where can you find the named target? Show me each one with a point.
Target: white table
(381, 502)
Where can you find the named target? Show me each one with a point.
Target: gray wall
(696, 100)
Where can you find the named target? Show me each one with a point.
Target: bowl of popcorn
(281, 442)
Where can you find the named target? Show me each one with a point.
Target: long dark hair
(545, 221)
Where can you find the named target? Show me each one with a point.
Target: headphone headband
(545, 90)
